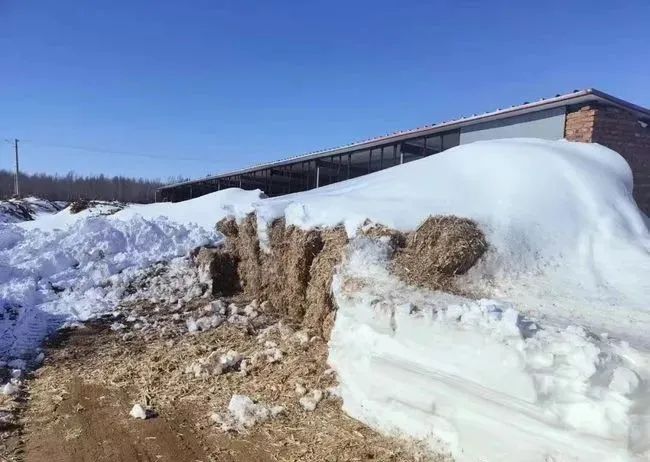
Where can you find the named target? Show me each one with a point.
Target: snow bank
(204, 211)
(66, 267)
(480, 378)
(47, 278)
(566, 237)
(554, 363)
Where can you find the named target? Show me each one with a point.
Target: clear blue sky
(207, 86)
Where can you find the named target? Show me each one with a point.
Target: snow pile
(554, 363)
(480, 378)
(204, 211)
(27, 209)
(170, 282)
(47, 278)
(244, 413)
(578, 250)
(65, 267)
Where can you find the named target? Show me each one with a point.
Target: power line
(111, 151)
(99, 150)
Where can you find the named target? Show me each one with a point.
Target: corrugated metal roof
(576, 97)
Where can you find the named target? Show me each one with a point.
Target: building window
(451, 139)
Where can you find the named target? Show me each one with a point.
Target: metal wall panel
(547, 125)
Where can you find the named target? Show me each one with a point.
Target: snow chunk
(301, 337)
(244, 413)
(270, 354)
(204, 323)
(300, 389)
(17, 364)
(139, 412)
(311, 400)
(217, 307)
(214, 364)
(9, 389)
(251, 310)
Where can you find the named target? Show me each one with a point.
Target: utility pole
(16, 184)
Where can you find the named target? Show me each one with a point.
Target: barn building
(586, 115)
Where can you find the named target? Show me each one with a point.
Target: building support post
(349, 164)
(290, 175)
(317, 175)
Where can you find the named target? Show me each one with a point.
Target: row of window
(309, 174)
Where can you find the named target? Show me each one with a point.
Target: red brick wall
(579, 125)
(621, 131)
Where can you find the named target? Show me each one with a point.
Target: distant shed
(586, 115)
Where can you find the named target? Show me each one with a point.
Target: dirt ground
(77, 404)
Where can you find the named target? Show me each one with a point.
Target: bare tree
(71, 187)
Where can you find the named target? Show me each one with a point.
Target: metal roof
(576, 97)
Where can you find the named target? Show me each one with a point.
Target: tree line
(71, 187)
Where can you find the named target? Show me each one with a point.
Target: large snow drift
(566, 236)
(553, 365)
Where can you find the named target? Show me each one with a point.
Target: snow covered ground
(553, 364)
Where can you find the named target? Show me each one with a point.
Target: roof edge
(576, 97)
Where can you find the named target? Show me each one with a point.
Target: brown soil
(91, 423)
(80, 399)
